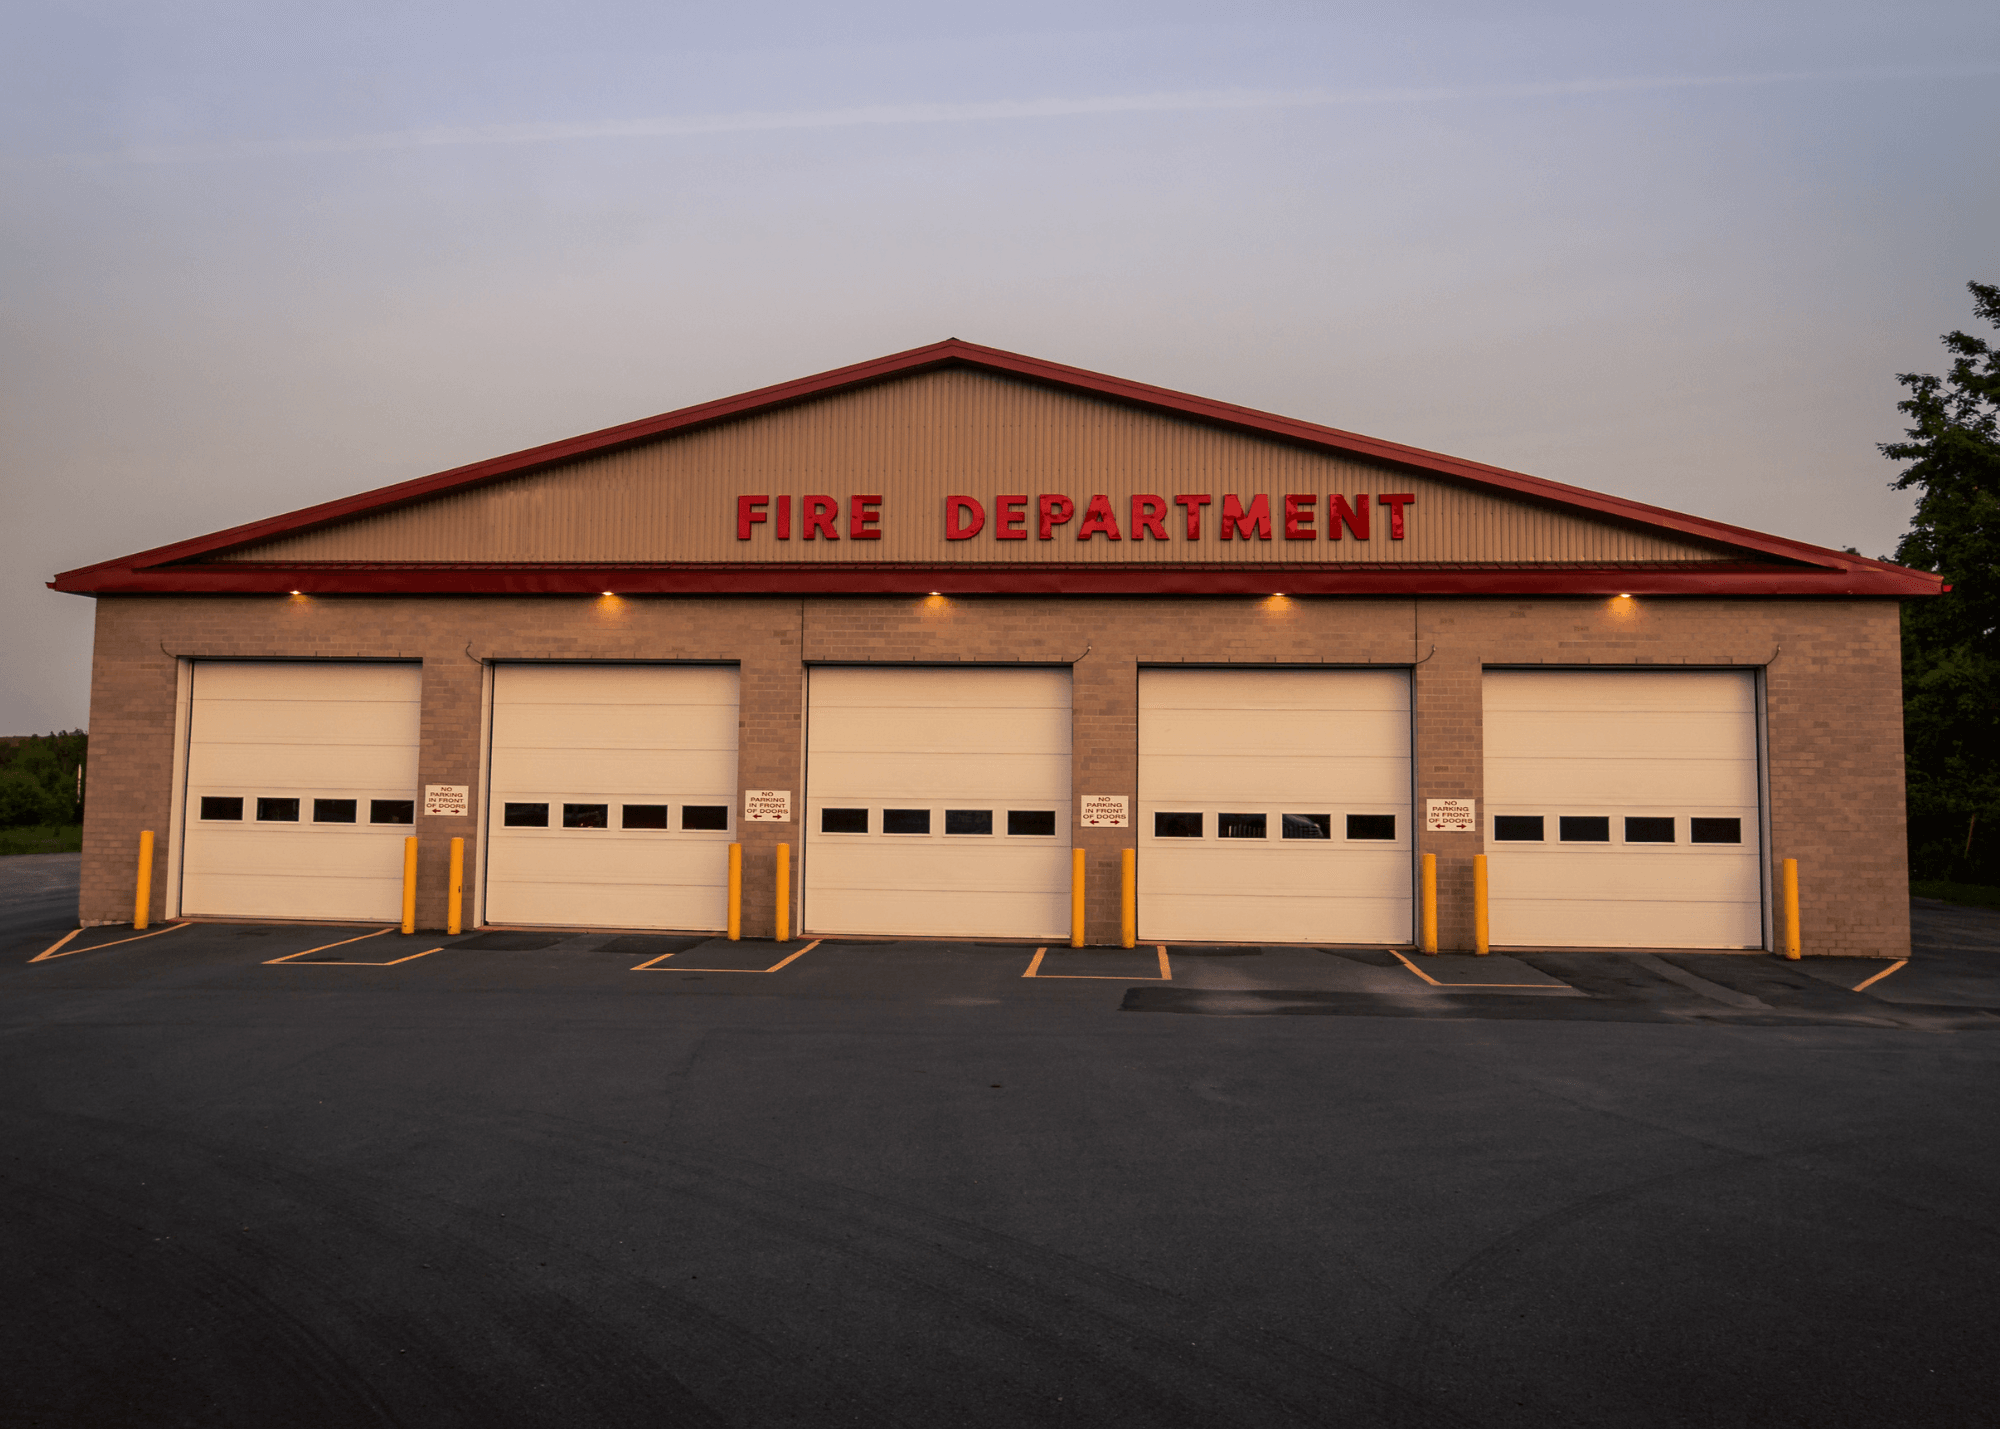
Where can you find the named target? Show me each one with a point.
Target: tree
(38, 779)
(1951, 643)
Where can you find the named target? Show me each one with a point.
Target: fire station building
(937, 620)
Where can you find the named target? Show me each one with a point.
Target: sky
(256, 256)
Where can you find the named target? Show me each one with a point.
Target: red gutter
(855, 578)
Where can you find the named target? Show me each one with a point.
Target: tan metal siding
(922, 438)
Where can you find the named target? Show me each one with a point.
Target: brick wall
(1834, 704)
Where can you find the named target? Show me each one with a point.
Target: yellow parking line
(1870, 982)
(1435, 983)
(341, 944)
(1035, 964)
(52, 953)
(1414, 968)
(654, 967)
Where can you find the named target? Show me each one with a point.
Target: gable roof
(1749, 562)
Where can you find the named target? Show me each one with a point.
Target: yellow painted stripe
(324, 946)
(795, 956)
(1870, 982)
(1034, 971)
(653, 965)
(115, 942)
(50, 950)
(1415, 969)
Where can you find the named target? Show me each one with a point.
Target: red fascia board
(1719, 579)
(947, 353)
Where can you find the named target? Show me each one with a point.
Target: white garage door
(1622, 809)
(301, 786)
(1274, 806)
(937, 803)
(612, 796)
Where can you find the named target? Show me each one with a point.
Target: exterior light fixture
(936, 592)
(294, 592)
(609, 592)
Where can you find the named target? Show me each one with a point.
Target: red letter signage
(1238, 522)
(1298, 520)
(863, 520)
(819, 515)
(1098, 518)
(1354, 518)
(1193, 505)
(964, 518)
(749, 512)
(1054, 511)
(1396, 503)
(1009, 518)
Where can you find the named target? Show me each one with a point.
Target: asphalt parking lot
(269, 1175)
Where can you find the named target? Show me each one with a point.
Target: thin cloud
(986, 111)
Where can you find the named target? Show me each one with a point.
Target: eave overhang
(375, 579)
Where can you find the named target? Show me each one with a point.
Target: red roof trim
(360, 578)
(108, 575)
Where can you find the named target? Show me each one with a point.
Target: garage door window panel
(335, 811)
(1715, 831)
(968, 823)
(1031, 823)
(1374, 827)
(1239, 826)
(222, 808)
(906, 821)
(392, 811)
(586, 816)
(1648, 829)
(643, 816)
(1584, 829)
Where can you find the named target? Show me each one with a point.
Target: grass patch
(42, 838)
(1976, 895)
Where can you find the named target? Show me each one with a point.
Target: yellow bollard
(736, 893)
(410, 884)
(1479, 942)
(784, 893)
(142, 896)
(1076, 898)
(1790, 932)
(1430, 927)
(1129, 896)
(455, 918)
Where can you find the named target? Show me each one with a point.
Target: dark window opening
(1584, 829)
(1376, 826)
(1177, 826)
(968, 821)
(334, 811)
(514, 816)
(1649, 831)
(906, 821)
(1239, 826)
(586, 816)
(404, 811)
(1517, 828)
(1032, 823)
(1715, 831)
(644, 816)
(1308, 826)
(277, 811)
(843, 821)
(705, 816)
(216, 806)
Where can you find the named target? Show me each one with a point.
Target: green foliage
(1951, 643)
(38, 779)
(1976, 895)
(41, 838)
